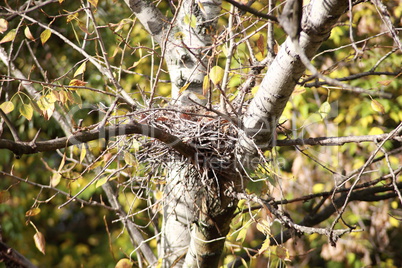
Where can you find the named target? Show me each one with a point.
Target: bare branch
(336, 141)
(20, 148)
(252, 11)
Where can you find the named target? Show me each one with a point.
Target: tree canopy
(200, 133)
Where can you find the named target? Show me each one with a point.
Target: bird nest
(210, 133)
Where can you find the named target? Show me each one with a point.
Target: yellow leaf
(27, 111)
(28, 34)
(124, 263)
(216, 74)
(254, 90)
(77, 83)
(179, 35)
(4, 196)
(3, 25)
(324, 110)
(375, 131)
(318, 188)
(205, 85)
(183, 88)
(190, 20)
(378, 107)
(385, 82)
(10, 36)
(7, 106)
(129, 159)
(55, 179)
(242, 234)
(299, 90)
(282, 253)
(83, 152)
(394, 222)
(101, 181)
(158, 195)
(93, 2)
(72, 17)
(264, 246)
(81, 69)
(40, 242)
(45, 35)
(32, 212)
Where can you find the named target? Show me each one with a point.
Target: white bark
(278, 84)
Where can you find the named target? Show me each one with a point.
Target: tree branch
(252, 11)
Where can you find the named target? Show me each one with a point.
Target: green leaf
(45, 35)
(27, 111)
(324, 110)
(101, 181)
(129, 159)
(264, 246)
(10, 36)
(190, 20)
(216, 74)
(7, 106)
(377, 106)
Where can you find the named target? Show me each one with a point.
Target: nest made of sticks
(212, 134)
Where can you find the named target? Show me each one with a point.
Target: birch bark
(197, 218)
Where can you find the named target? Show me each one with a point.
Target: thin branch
(336, 141)
(252, 11)
(42, 186)
(20, 148)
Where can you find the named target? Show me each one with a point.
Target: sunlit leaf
(376, 131)
(77, 83)
(45, 35)
(40, 242)
(183, 88)
(205, 85)
(124, 263)
(10, 36)
(190, 20)
(242, 234)
(179, 35)
(216, 74)
(28, 34)
(72, 17)
(101, 181)
(7, 106)
(81, 69)
(130, 159)
(55, 179)
(83, 152)
(264, 246)
(385, 82)
(318, 188)
(27, 111)
(377, 106)
(299, 90)
(4, 196)
(3, 25)
(93, 2)
(254, 90)
(32, 212)
(324, 110)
